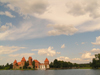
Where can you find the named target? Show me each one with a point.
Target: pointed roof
(46, 59)
(36, 61)
(23, 59)
(15, 61)
(30, 57)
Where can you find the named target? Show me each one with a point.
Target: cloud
(9, 49)
(83, 43)
(63, 58)
(82, 7)
(94, 50)
(87, 55)
(25, 7)
(76, 59)
(97, 41)
(5, 27)
(62, 29)
(21, 55)
(58, 52)
(47, 52)
(7, 13)
(24, 30)
(63, 46)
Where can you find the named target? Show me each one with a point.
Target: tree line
(63, 64)
(96, 61)
(7, 66)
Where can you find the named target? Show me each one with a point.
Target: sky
(67, 30)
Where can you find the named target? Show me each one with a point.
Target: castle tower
(23, 61)
(46, 62)
(30, 60)
(15, 64)
(37, 63)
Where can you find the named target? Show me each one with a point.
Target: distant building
(38, 65)
(44, 65)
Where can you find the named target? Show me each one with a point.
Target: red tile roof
(36, 61)
(15, 61)
(46, 59)
(30, 57)
(23, 59)
(19, 63)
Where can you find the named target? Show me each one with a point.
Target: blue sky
(66, 30)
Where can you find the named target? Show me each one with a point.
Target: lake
(51, 72)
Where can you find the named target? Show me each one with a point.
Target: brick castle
(38, 65)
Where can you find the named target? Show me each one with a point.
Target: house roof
(36, 61)
(23, 59)
(46, 59)
(19, 63)
(30, 57)
(15, 61)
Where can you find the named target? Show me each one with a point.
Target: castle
(38, 65)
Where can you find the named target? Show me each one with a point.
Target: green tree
(33, 63)
(26, 65)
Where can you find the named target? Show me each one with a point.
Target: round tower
(30, 60)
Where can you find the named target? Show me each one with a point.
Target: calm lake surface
(51, 72)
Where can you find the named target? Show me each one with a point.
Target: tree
(33, 63)
(96, 61)
(26, 65)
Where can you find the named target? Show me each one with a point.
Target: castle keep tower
(14, 64)
(46, 62)
(30, 62)
(23, 61)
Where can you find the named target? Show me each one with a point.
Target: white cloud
(76, 59)
(63, 13)
(94, 50)
(83, 43)
(9, 49)
(87, 55)
(58, 52)
(5, 27)
(62, 29)
(25, 30)
(7, 13)
(47, 52)
(21, 55)
(63, 46)
(82, 7)
(26, 7)
(63, 58)
(97, 41)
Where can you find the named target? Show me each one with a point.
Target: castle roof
(30, 57)
(15, 61)
(23, 59)
(19, 63)
(46, 59)
(36, 61)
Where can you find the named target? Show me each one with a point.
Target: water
(51, 72)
